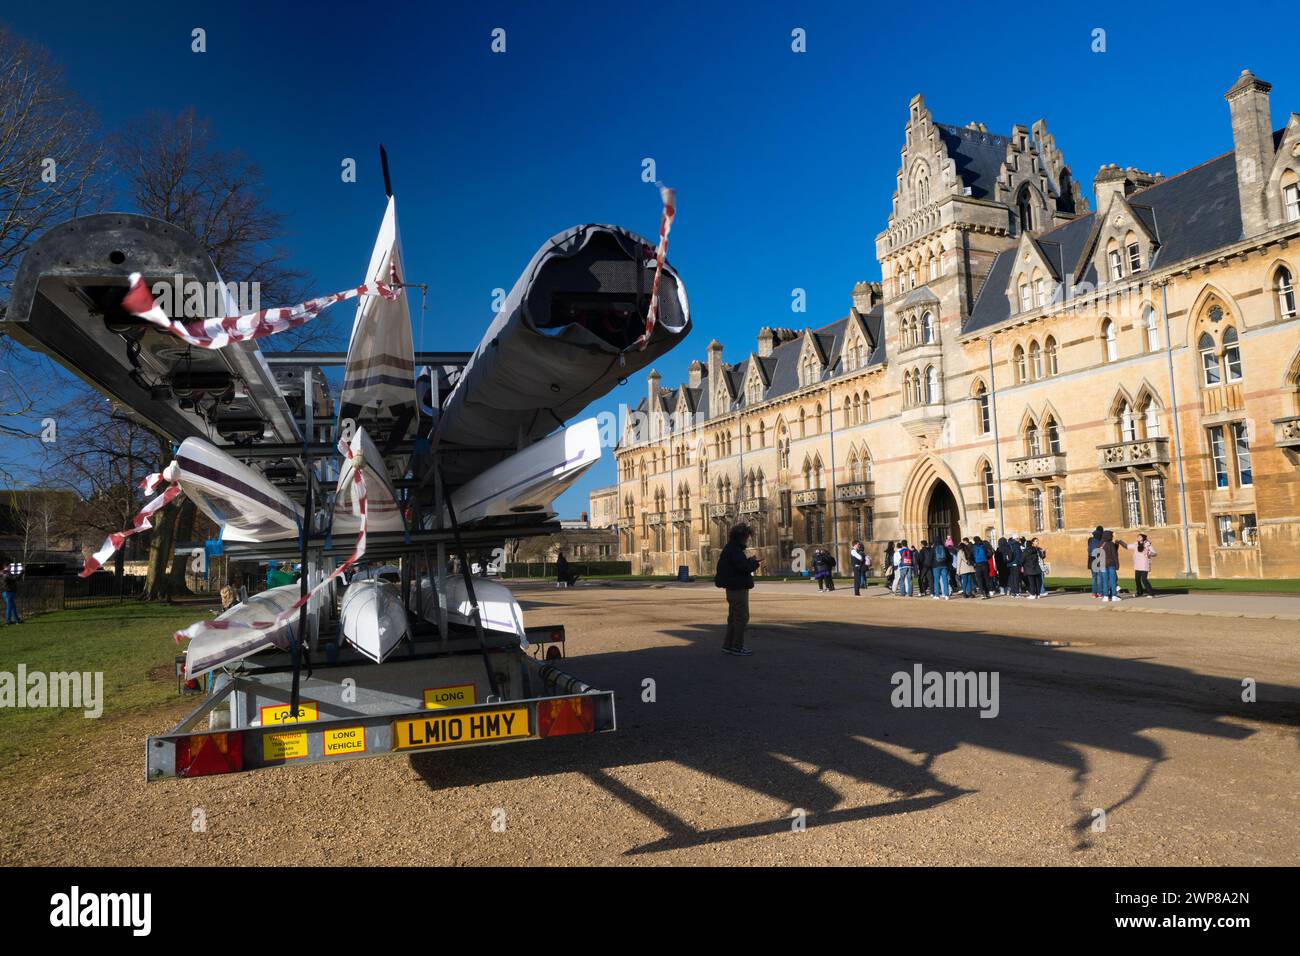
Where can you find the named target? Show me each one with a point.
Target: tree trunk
(157, 583)
(183, 533)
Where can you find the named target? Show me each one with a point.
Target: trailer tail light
(201, 755)
(566, 715)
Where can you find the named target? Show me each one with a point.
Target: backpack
(905, 558)
(940, 554)
(980, 554)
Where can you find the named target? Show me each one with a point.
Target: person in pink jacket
(1143, 552)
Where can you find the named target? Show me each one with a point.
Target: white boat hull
(214, 649)
(497, 606)
(382, 510)
(529, 481)
(381, 355)
(237, 498)
(373, 619)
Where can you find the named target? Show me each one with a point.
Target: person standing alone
(735, 575)
(10, 586)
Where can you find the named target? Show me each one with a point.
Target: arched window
(1150, 418)
(986, 479)
(803, 423)
(1033, 440)
(934, 267)
(1231, 355)
(1285, 293)
(1053, 365)
(1291, 199)
(1053, 432)
(1025, 209)
(1114, 261)
(982, 419)
(907, 388)
(928, 328)
(857, 409)
(1109, 337)
(1127, 427)
(866, 407)
(762, 434)
(817, 422)
(1152, 327)
(1209, 359)
(1035, 360)
(931, 385)
(1026, 297)
(1018, 361)
(749, 438)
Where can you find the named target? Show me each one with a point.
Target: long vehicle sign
(440, 730)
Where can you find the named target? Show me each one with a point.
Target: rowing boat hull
(373, 619)
(382, 511)
(497, 606)
(238, 499)
(217, 648)
(566, 335)
(529, 481)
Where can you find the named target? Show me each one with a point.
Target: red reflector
(567, 715)
(205, 754)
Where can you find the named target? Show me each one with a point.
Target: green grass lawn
(127, 642)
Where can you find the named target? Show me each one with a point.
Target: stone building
(603, 506)
(1028, 364)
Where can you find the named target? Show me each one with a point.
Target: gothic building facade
(1028, 365)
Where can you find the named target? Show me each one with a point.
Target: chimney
(651, 405)
(1112, 180)
(1252, 140)
(766, 342)
(715, 376)
(866, 296)
(694, 374)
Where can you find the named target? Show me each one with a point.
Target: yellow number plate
(440, 731)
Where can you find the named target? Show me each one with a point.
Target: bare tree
(51, 169)
(175, 172)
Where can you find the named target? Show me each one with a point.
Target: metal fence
(66, 593)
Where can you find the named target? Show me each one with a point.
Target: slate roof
(978, 155)
(1190, 214)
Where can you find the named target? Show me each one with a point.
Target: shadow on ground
(819, 693)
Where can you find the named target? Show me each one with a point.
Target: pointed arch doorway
(942, 517)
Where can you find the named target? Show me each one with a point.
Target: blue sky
(784, 163)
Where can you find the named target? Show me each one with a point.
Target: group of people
(971, 567)
(1103, 562)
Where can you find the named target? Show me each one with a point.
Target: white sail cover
(380, 368)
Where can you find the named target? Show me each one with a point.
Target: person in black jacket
(735, 575)
(562, 573)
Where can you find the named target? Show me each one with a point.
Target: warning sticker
(345, 740)
(454, 695)
(285, 746)
(273, 714)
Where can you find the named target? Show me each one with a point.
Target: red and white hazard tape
(220, 332)
(141, 521)
(359, 508)
(669, 197)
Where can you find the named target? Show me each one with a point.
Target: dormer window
(1291, 202)
(1026, 301)
(1134, 258)
(1116, 265)
(1040, 293)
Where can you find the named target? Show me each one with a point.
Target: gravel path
(1141, 716)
